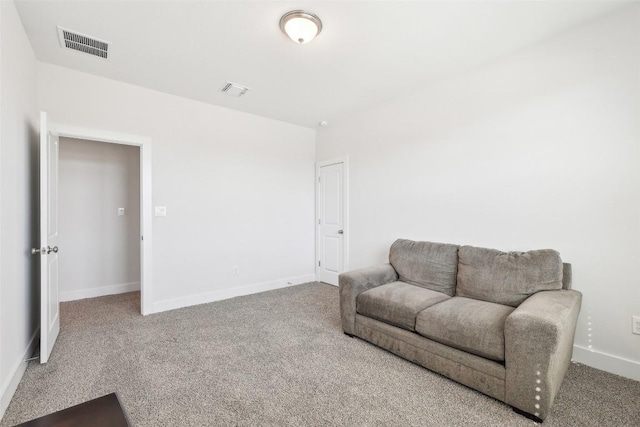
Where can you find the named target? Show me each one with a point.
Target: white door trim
(146, 209)
(345, 166)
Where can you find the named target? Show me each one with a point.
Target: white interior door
(49, 303)
(331, 220)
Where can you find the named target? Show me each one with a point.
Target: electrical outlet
(236, 270)
(636, 325)
(120, 211)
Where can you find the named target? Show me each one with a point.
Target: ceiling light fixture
(300, 26)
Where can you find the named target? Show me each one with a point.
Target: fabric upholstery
(466, 324)
(567, 276)
(539, 338)
(353, 283)
(397, 303)
(518, 355)
(429, 265)
(473, 371)
(507, 277)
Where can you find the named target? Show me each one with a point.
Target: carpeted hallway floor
(273, 359)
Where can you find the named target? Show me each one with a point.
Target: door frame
(146, 209)
(345, 192)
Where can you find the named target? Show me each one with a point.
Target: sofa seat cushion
(507, 277)
(466, 324)
(397, 303)
(430, 265)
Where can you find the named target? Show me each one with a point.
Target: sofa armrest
(539, 336)
(354, 283)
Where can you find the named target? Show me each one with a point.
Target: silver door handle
(37, 251)
(52, 249)
(340, 231)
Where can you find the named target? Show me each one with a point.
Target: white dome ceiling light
(300, 26)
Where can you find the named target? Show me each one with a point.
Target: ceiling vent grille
(234, 89)
(83, 43)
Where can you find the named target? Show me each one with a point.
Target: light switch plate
(636, 325)
(120, 211)
(160, 211)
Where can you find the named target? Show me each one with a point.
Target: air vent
(234, 89)
(83, 43)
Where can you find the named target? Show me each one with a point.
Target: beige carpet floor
(277, 358)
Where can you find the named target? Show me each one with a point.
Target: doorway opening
(50, 135)
(99, 219)
(145, 201)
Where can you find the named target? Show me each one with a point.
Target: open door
(49, 303)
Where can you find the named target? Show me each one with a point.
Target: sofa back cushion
(507, 277)
(429, 265)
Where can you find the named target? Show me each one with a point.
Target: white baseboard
(172, 304)
(607, 362)
(99, 292)
(16, 373)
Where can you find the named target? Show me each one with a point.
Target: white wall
(239, 189)
(537, 150)
(100, 251)
(19, 309)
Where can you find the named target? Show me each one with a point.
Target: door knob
(340, 231)
(37, 251)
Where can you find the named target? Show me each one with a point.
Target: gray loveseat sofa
(502, 323)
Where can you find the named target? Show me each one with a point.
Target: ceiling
(368, 51)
